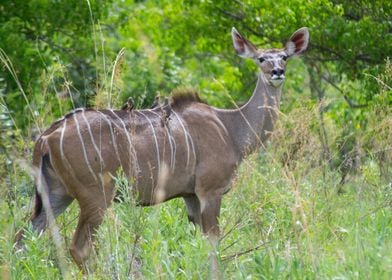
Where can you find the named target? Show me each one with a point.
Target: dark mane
(183, 96)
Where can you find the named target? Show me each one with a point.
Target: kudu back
(185, 148)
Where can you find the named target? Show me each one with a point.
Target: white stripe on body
(98, 151)
(155, 139)
(131, 149)
(92, 139)
(62, 139)
(112, 136)
(219, 126)
(188, 139)
(172, 143)
(85, 152)
(62, 154)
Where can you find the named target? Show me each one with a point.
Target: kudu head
(272, 62)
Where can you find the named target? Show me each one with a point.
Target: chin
(276, 82)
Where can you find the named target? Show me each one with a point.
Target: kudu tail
(47, 186)
(36, 212)
(38, 204)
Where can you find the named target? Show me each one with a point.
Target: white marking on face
(276, 62)
(276, 82)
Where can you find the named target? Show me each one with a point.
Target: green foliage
(283, 218)
(48, 38)
(185, 43)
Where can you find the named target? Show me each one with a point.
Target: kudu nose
(277, 71)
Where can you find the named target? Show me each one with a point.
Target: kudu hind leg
(88, 224)
(92, 211)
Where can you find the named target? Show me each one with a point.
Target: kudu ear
(298, 42)
(242, 46)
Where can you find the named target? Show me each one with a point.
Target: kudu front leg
(193, 209)
(210, 210)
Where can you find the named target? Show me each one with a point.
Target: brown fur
(182, 149)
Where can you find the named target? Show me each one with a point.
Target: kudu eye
(285, 57)
(261, 60)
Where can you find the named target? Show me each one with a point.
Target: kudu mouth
(277, 80)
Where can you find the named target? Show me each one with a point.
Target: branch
(328, 51)
(239, 16)
(315, 85)
(348, 100)
(312, 57)
(379, 81)
(236, 255)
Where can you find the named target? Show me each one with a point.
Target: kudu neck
(250, 125)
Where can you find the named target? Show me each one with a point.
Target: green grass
(272, 228)
(283, 218)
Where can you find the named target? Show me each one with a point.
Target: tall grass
(283, 218)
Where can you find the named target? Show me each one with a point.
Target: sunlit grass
(347, 236)
(283, 218)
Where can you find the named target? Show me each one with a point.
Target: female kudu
(182, 149)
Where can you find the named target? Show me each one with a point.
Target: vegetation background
(315, 203)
